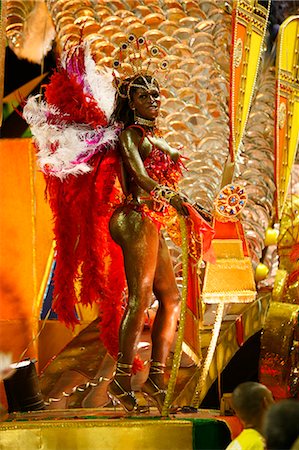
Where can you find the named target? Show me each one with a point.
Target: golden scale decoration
(230, 279)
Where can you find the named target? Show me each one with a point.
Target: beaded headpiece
(135, 58)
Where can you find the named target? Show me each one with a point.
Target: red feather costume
(82, 203)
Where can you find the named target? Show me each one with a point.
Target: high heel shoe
(116, 391)
(126, 398)
(151, 389)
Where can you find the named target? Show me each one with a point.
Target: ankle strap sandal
(117, 392)
(157, 368)
(120, 372)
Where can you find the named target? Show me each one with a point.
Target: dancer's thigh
(139, 239)
(165, 286)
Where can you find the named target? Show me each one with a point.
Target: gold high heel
(126, 398)
(151, 389)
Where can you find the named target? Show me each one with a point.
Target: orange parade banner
(250, 20)
(286, 107)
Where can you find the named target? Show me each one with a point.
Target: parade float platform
(84, 358)
(107, 429)
(69, 425)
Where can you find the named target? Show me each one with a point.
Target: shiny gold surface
(230, 279)
(100, 434)
(84, 359)
(248, 38)
(252, 317)
(288, 232)
(231, 249)
(279, 363)
(287, 107)
(286, 286)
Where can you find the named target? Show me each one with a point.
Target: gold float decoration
(287, 107)
(286, 286)
(258, 175)
(279, 359)
(271, 236)
(229, 203)
(230, 279)
(197, 396)
(29, 29)
(180, 334)
(250, 24)
(17, 11)
(261, 272)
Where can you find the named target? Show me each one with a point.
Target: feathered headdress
(136, 58)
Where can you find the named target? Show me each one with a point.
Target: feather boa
(79, 64)
(82, 207)
(65, 147)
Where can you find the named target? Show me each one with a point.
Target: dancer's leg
(139, 240)
(167, 293)
(165, 323)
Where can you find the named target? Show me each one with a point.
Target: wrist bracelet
(163, 193)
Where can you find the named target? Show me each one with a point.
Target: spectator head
(250, 401)
(281, 428)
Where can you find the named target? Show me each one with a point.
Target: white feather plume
(71, 142)
(100, 84)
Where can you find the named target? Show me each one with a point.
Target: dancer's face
(146, 102)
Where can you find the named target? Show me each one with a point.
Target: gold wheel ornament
(230, 202)
(287, 108)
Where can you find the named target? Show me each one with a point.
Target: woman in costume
(150, 172)
(81, 152)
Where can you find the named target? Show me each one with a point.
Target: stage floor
(82, 421)
(85, 359)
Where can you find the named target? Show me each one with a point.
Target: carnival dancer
(151, 171)
(82, 162)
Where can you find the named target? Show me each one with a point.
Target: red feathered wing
(82, 207)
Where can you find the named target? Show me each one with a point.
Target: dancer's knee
(169, 299)
(140, 300)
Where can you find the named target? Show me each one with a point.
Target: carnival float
(230, 100)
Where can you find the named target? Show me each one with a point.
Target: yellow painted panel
(253, 61)
(289, 43)
(133, 435)
(294, 136)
